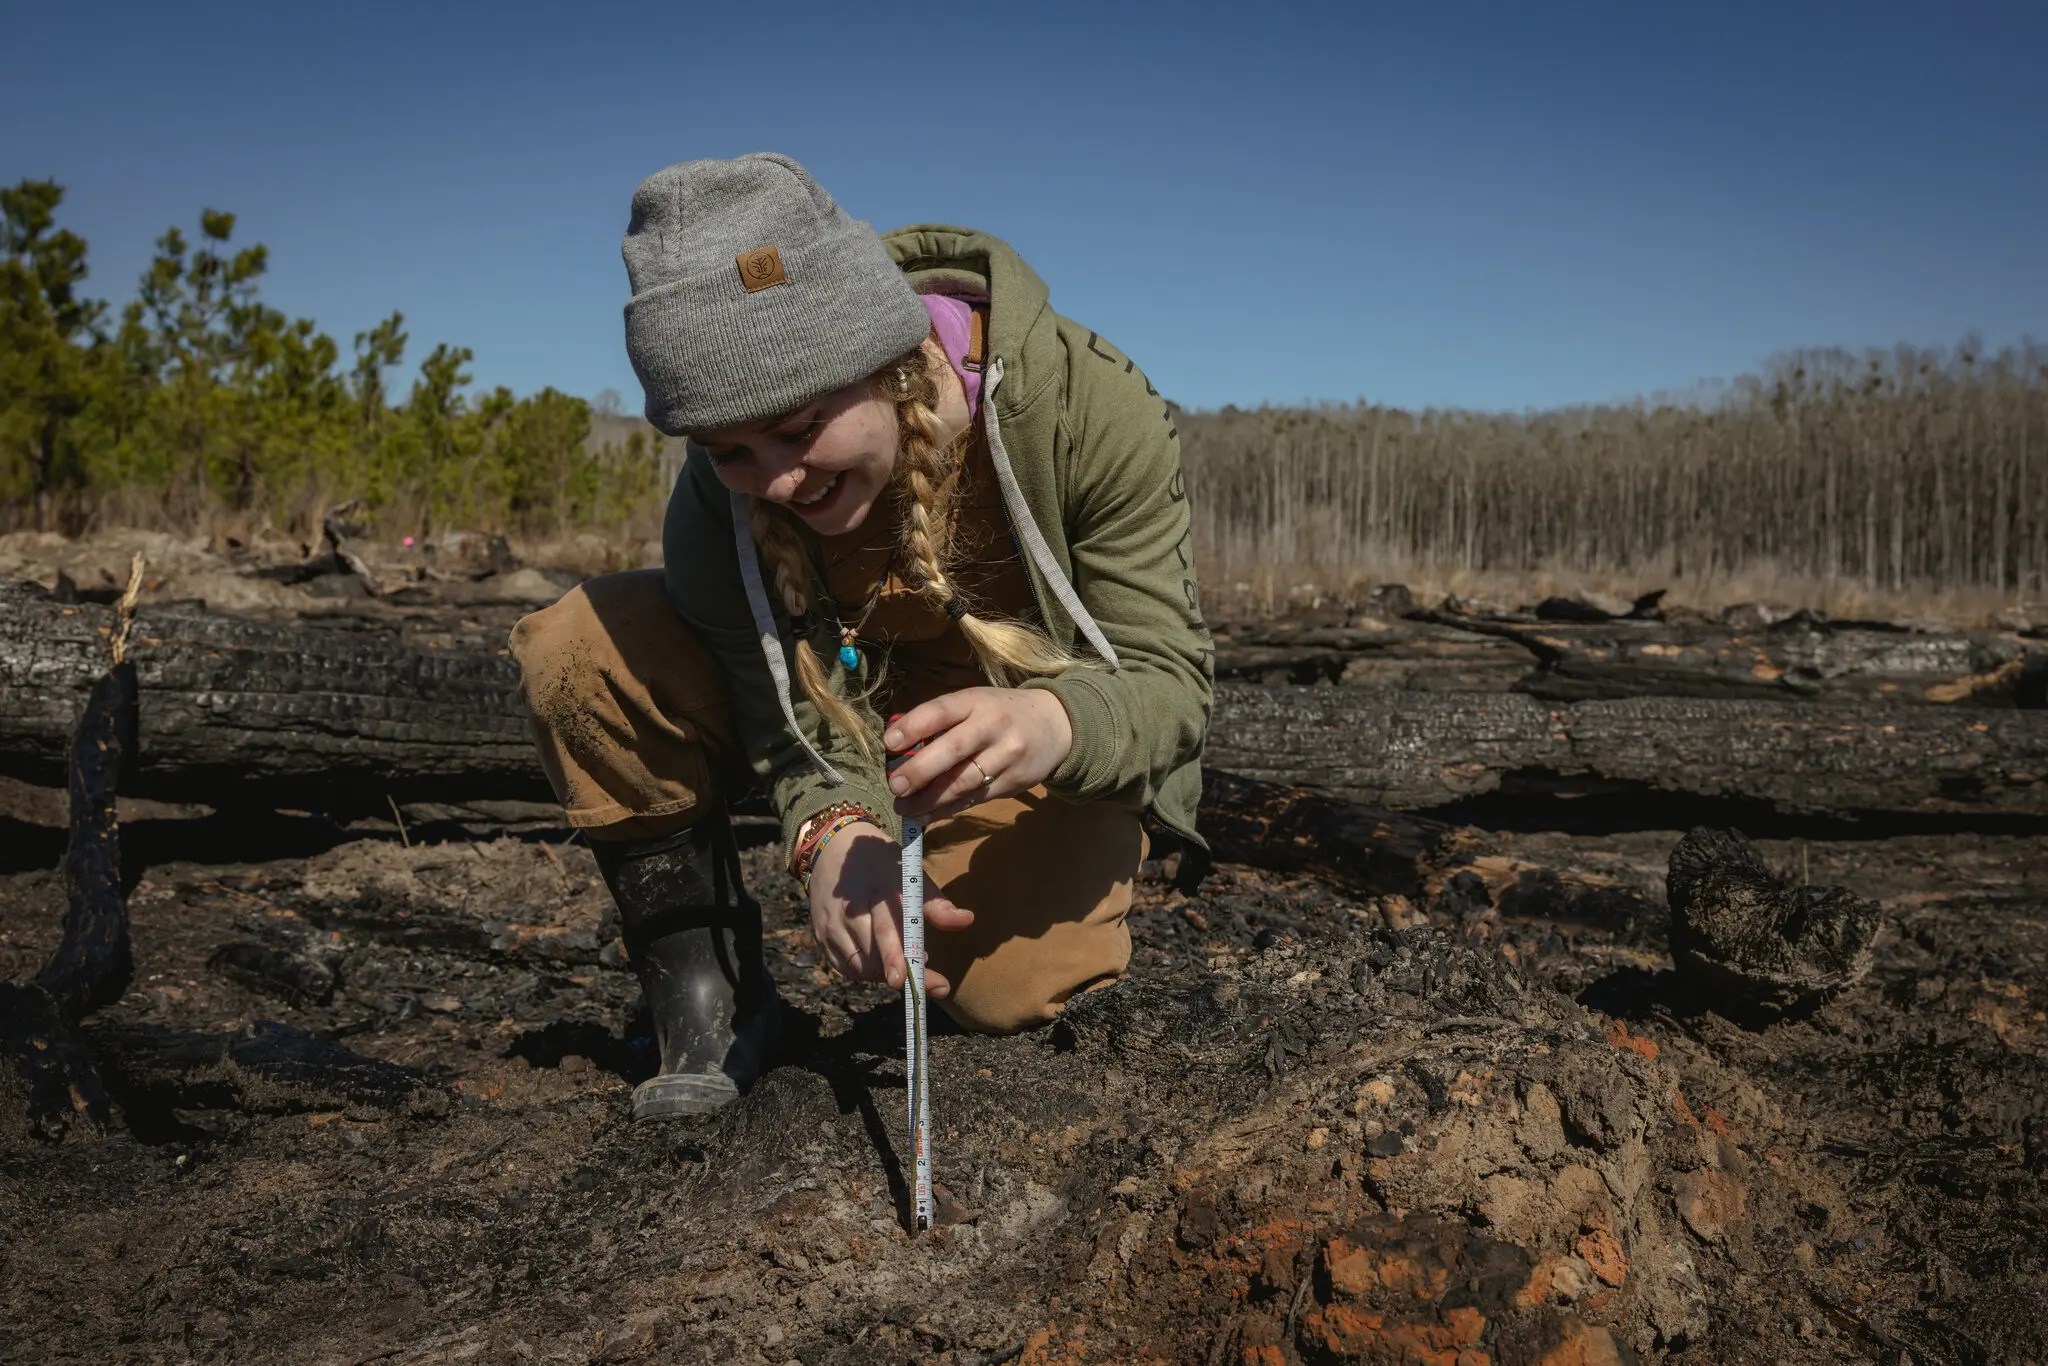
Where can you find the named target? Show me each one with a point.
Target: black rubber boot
(693, 936)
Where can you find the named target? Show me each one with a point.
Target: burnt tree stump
(40, 1033)
(92, 965)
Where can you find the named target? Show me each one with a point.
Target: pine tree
(49, 336)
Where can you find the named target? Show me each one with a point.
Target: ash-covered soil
(1307, 1128)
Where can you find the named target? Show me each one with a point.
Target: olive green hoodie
(1088, 461)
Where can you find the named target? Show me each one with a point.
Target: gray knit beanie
(754, 293)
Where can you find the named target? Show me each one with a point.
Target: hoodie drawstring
(1026, 526)
(771, 639)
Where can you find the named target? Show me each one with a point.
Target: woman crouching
(912, 490)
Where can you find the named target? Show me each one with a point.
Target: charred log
(1595, 656)
(1799, 659)
(1419, 751)
(244, 713)
(252, 713)
(1413, 656)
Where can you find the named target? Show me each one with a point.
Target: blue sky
(1476, 206)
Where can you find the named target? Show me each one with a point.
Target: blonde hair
(927, 474)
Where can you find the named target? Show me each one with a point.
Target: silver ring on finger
(986, 781)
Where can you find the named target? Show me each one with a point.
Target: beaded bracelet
(807, 833)
(817, 847)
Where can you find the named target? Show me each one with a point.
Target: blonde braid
(929, 470)
(930, 474)
(782, 546)
(1008, 652)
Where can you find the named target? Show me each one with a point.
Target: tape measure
(916, 1038)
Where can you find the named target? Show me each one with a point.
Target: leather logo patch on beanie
(761, 268)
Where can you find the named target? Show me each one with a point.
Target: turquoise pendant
(849, 658)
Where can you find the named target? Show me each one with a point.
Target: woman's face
(828, 462)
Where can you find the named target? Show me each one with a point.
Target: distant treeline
(1896, 470)
(198, 400)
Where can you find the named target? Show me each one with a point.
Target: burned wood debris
(267, 714)
(1743, 930)
(254, 713)
(1801, 657)
(1386, 1085)
(93, 964)
(1426, 750)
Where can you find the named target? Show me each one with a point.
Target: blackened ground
(1306, 1128)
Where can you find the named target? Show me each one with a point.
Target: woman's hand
(857, 909)
(978, 743)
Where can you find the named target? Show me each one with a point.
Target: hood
(1021, 323)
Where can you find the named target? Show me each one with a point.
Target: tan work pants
(634, 729)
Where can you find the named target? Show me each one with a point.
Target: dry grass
(1900, 483)
(1905, 485)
